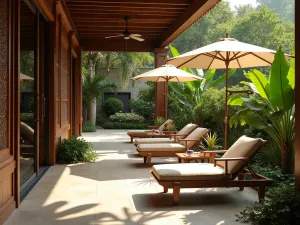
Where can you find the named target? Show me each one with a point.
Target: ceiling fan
(126, 34)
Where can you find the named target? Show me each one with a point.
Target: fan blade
(135, 35)
(119, 35)
(137, 38)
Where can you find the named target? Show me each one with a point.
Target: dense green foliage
(281, 208)
(128, 63)
(112, 106)
(159, 121)
(75, 150)
(93, 89)
(127, 118)
(271, 108)
(143, 108)
(26, 117)
(89, 127)
(120, 125)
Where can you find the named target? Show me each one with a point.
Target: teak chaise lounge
(169, 149)
(173, 137)
(148, 133)
(222, 173)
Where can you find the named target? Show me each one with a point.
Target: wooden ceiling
(158, 21)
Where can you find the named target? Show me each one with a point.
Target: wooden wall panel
(7, 160)
(65, 43)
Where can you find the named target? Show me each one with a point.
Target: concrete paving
(118, 190)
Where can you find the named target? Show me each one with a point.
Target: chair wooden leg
(261, 193)
(241, 177)
(149, 155)
(176, 193)
(165, 190)
(131, 139)
(145, 159)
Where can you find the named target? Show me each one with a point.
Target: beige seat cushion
(139, 141)
(184, 131)
(187, 129)
(188, 171)
(165, 124)
(197, 134)
(137, 131)
(243, 147)
(164, 147)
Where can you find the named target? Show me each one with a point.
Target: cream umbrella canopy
(225, 53)
(166, 73)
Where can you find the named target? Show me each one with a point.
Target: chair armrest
(232, 159)
(215, 151)
(178, 135)
(189, 140)
(170, 132)
(228, 160)
(152, 127)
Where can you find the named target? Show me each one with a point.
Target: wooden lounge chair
(149, 133)
(169, 149)
(173, 137)
(222, 173)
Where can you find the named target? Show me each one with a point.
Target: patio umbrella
(166, 73)
(225, 53)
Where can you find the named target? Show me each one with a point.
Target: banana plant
(272, 106)
(189, 94)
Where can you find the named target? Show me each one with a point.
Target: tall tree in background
(285, 8)
(92, 58)
(265, 28)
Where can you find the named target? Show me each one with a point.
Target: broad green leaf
(174, 51)
(236, 101)
(254, 121)
(208, 76)
(222, 78)
(259, 81)
(253, 104)
(281, 92)
(234, 120)
(276, 116)
(291, 74)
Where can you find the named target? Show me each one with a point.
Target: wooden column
(78, 96)
(297, 100)
(161, 87)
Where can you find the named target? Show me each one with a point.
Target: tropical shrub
(170, 127)
(143, 108)
(271, 108)
(159, 121)
(93, 88)
(281, 208)
(75, 150)
(112, 106)
(26, 117)
(186, 96)
(127, 118)
(119, 125)
(210, 142)
(89, 127)
(101, 118)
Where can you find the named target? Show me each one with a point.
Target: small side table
(185, 158)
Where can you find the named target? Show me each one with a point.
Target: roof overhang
(159, 22)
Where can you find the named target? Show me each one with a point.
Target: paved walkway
(118, 190)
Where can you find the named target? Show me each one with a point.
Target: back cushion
(243, 147)
(197, 134)
(164, 125)
(187, 129)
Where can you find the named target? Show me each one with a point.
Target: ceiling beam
(195, 11)
(141, 2)
(117, 45)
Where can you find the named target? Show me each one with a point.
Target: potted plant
(210, 142)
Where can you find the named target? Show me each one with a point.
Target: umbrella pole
(166, 99)
(226, 105)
